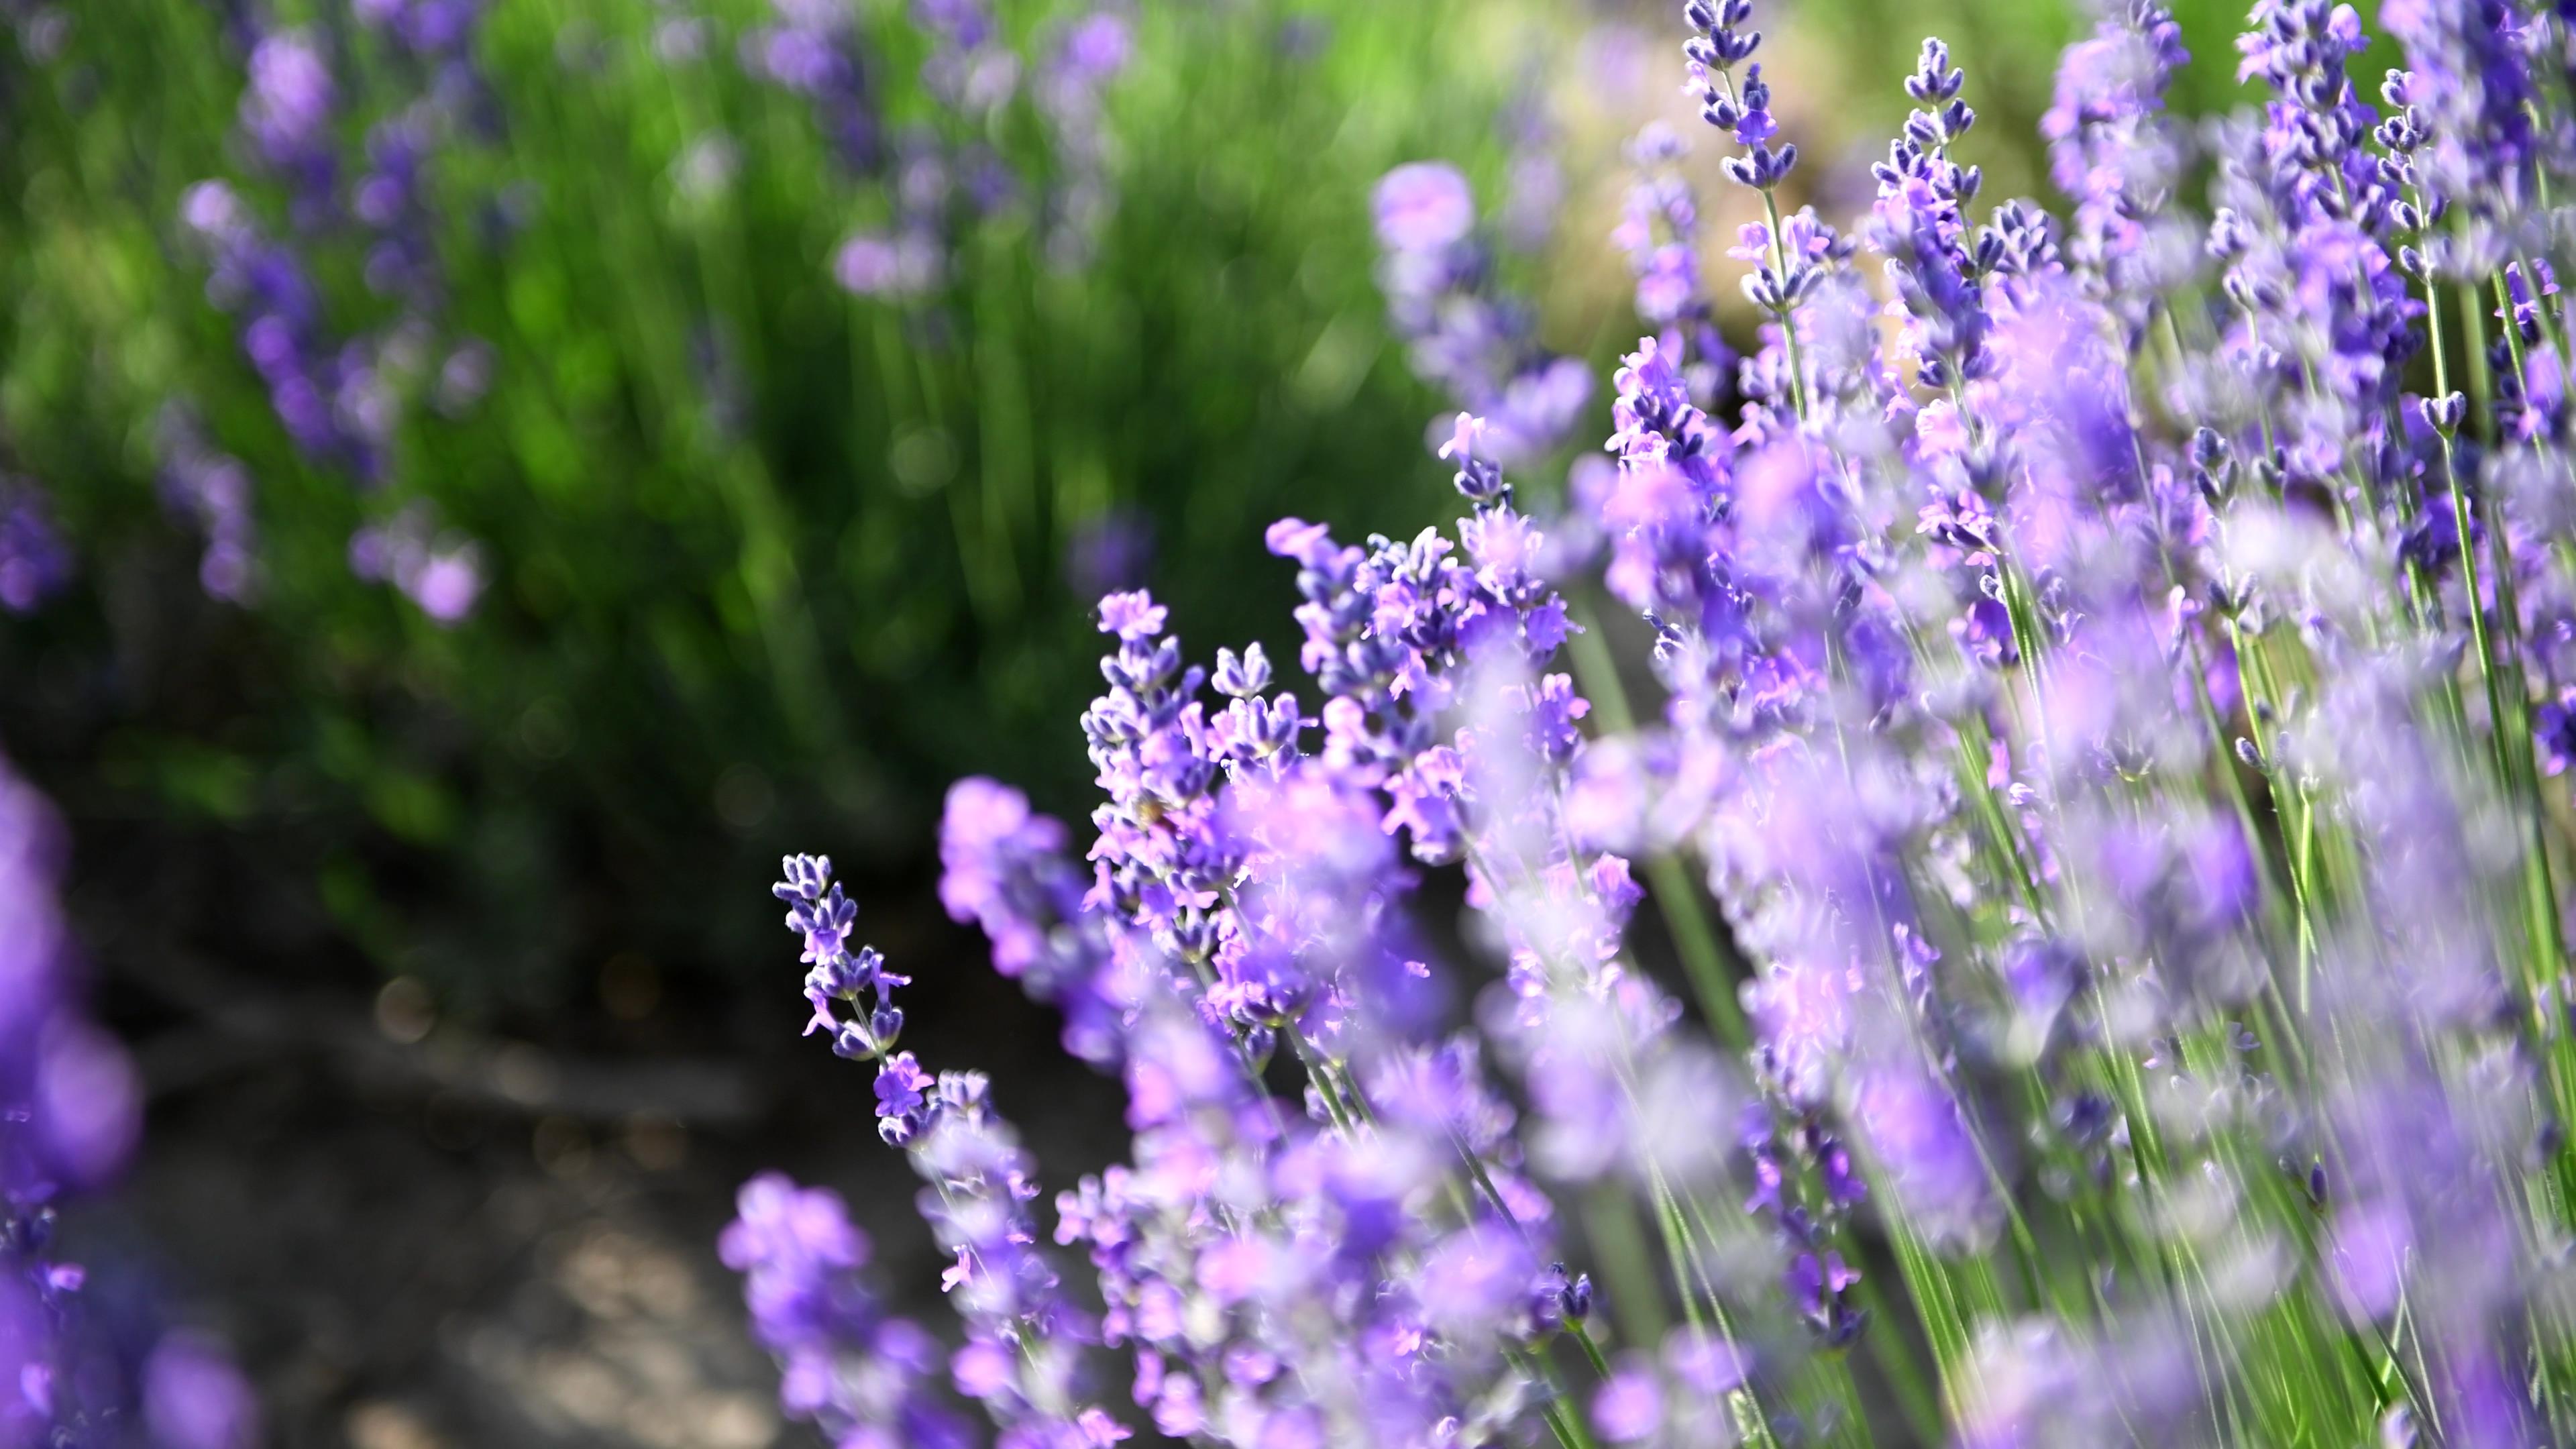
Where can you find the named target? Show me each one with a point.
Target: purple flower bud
(900, 1084)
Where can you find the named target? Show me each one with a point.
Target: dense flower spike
(1659, 232)
(2472, 68)
(2113, 686)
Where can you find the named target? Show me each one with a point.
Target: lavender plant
(2108, 690)
(340, 392)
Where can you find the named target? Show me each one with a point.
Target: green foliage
(760, 552)
(758, 549)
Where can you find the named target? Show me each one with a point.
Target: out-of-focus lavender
(1002, 866)
(812, 48)
(340, 389)
(800, 1257)
(1109, 553)
(2107, 703)
(71, 1108)
(323, 390)
(934, 179)
(1070, 84)
(35, 561)
(1464, 333)
(1659, 234)
(1534, 194)
(442, 572)
(286, 113)
(211, 491)
(42, 30)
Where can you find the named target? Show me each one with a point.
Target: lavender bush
(2112, 678)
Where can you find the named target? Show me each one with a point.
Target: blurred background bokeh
(480, 479)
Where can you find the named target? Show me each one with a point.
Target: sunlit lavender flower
(2470, 70)
(2111, 148)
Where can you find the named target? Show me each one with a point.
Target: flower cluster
(325, 393)
(1659, 234)
(2111, 692)
(813, 50)
(2113, 149)
(1023, 1356)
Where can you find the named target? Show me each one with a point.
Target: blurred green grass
(769, 563)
